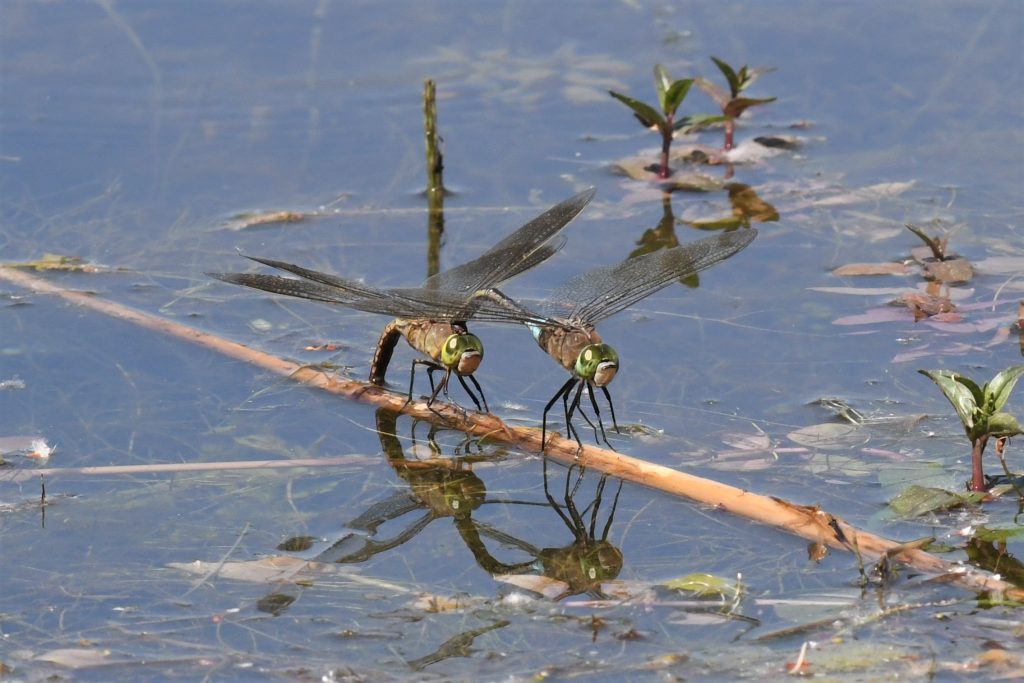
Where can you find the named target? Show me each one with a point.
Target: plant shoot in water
(670, 95)
(731, 104)
(979, 411)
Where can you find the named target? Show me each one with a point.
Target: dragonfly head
(597, 363)
(462, 353)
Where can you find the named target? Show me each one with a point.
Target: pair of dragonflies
(433, 318)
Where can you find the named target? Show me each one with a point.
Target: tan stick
(807, 522)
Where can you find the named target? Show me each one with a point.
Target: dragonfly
(432, 318)
(566, 330)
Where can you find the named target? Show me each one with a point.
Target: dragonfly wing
(517, 253)
(317, 286)
(603, 292)
(416, 304)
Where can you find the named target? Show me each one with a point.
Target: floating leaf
(922, 473)
(952, 270)
(925, 305)
(872, 269)
(550, 588)
(704, 585)
(242, 221)
(915, 500)
(829, 436)
(75, 658)
(999, 535)
(866, 194)
(789, 142)
(59, 262)
(1001, 265)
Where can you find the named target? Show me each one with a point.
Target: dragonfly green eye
(597, 363)
(462, 353)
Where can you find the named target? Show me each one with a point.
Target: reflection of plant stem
(435, 179)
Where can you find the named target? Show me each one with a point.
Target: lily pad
(829, 436)
(915, 500)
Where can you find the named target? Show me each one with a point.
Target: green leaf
(694, 121)
(715, 92)
(1003, 424)
(915, 501)
(645, 113)
(738, 105)
(675, 95)
(958, 393)
(977, 392)
(662, 84)
(730, 76)
(704, 585)
(997, 391)
(998, 535)
(730, 223)
(751, 75)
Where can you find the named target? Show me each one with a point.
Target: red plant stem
(666, 145)
(977, 473)
(730, 128)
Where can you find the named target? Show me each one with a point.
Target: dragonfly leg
(441, 386)
(469, 391)
(569, 410)
(597, 414)
(481, 392)
(611, 515)
(611, 407)
(551, 499)
(544, 418)
(431, 367)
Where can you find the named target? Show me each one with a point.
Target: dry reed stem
(808, 522)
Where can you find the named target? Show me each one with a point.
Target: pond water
(133, 135)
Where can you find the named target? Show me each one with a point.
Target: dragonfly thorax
(597, 363)
(462, 352)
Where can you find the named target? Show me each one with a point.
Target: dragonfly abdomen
(385, 349)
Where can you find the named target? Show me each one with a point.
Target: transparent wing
(415, 303)
(603, 292)
(523, 249)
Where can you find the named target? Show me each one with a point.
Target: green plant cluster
(671, 94)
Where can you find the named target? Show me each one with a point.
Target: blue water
(131, 133)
